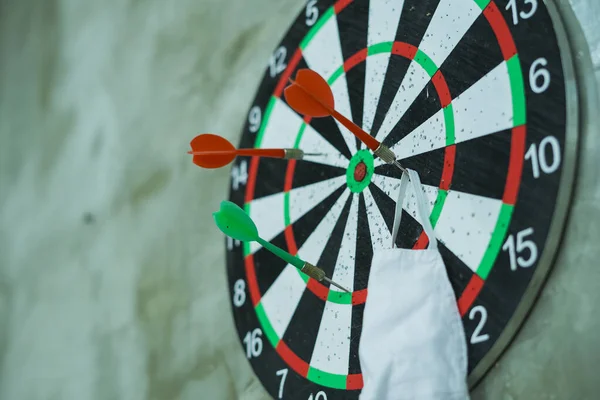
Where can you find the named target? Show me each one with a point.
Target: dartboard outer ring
(562, 207)
(466, 301)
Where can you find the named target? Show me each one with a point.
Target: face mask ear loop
(398, 212)
(422, 208)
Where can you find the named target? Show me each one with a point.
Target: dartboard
(478, 97)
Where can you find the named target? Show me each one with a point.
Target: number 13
(512, 4)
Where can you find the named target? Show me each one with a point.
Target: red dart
(310, 95)
(213, 151)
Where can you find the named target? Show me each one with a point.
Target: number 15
(522, 244)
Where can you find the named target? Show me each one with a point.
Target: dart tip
(397, 164)
(336, 285)
(314, 154)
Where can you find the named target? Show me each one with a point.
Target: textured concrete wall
(112, 283)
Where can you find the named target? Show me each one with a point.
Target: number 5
(522, 244)
(312, 13)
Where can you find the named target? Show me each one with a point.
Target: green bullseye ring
(357, 178)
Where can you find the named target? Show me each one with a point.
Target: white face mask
(412, 344)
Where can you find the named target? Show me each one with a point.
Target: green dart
(235, 223)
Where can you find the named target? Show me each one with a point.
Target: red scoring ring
(404, 50)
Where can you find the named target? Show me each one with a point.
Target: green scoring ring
(365, 157)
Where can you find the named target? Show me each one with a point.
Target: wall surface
(112, 283)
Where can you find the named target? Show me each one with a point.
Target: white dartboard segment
(486, 107)
(344, 267)
(384, 17)
(313, 247)
(267, 214)
(466, 224)
(282, 298)
(452, 19)
(381, 237)
(332, 348)
(283, 127)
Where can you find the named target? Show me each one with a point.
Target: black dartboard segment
(469, 93)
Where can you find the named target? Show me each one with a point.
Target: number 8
(239, 292)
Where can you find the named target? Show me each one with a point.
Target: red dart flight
(310, 95)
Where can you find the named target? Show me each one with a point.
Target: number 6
(536, 72)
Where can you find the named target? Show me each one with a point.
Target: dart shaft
(363, 136)
(311, 270)
(272, 153)
(284, 255)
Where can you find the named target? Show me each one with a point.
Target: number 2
(512, 4)
(477, 337)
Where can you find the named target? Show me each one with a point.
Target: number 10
(537, 155)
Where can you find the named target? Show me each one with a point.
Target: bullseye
(360, 172)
